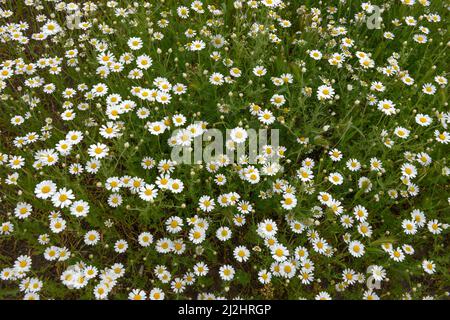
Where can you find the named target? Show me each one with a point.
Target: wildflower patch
(247, 149)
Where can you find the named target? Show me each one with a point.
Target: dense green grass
(348, 122)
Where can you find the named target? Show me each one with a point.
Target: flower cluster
(352, 203)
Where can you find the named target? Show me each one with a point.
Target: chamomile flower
(145, 239)
(259, 71)
(120, 246)
(264, 276)
(226, 272)
(224, 233)
(429, 266)
(336, 178)
(238, 135)
(79, 208)
(23, 210)
(241, 253)
(206, 203)
(279, 252)
(63, 198)
(356, 248)
(325, 92)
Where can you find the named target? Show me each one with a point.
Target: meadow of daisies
(352, 202)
